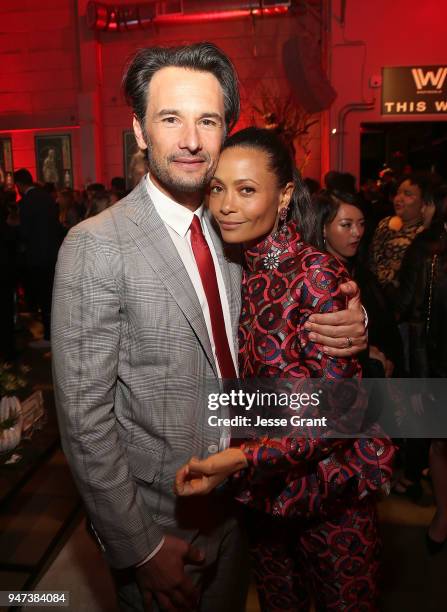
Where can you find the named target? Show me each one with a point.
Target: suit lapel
(153, 239)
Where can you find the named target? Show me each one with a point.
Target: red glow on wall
(47, 129)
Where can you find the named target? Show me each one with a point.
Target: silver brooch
(271, 260)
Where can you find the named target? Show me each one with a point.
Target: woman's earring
(282, 225)
(271, 260)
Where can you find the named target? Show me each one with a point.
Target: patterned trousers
(333, 561)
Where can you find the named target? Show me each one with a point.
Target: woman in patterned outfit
(312, 521)
(391, 239)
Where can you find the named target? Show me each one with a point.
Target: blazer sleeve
(319, 293)
(86, 332)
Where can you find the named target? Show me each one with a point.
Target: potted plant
(10, 410)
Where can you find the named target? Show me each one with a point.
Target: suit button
(213, 448)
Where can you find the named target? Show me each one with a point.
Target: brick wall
(45, 60)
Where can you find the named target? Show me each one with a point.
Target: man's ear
(137, 130)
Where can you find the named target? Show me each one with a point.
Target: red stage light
(116, 18)
(215, 16)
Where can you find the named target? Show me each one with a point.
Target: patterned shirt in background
(388, 249)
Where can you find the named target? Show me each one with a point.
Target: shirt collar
(178, 217)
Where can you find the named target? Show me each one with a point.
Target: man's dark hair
(118, 183)
(96, 187)
(50, 187)
(312, 185)
(23, 177)
(203, 57)
(428, 183)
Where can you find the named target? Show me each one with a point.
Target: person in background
(376, 205)
(68, 210)
(341, 228)
(40, 236)
(99, 202)
(118, 188)
(8, 276)
(51, 189)
(138, 167)
(394, 235)
(420, 300)
(312, 185)
(92, 190)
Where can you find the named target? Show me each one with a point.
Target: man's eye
(209, 122)
(170, 120)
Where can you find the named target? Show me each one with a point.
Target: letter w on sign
(423, 79)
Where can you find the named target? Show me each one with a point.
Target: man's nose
(190, 138)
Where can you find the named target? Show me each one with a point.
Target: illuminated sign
(414, 90)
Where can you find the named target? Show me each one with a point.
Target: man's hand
(342, 333)
(164, 578)
(199, 477)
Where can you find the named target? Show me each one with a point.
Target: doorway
(403, 147)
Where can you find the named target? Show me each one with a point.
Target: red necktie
(207, 271)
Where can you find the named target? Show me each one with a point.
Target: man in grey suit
(136, 337)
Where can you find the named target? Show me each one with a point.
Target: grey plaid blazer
(131, 354)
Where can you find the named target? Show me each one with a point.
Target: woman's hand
(201, 476)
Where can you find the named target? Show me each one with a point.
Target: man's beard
(179, 184)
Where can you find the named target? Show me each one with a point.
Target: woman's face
(408, 202)
(344, 232)
(244, 196)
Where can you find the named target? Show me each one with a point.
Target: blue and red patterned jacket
(283, 284)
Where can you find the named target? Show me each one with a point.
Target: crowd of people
(147, 303)
(34, 220)
(392, 238)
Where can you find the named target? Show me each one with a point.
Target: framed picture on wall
(6, 163)
(135, 160)
(53, 160)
